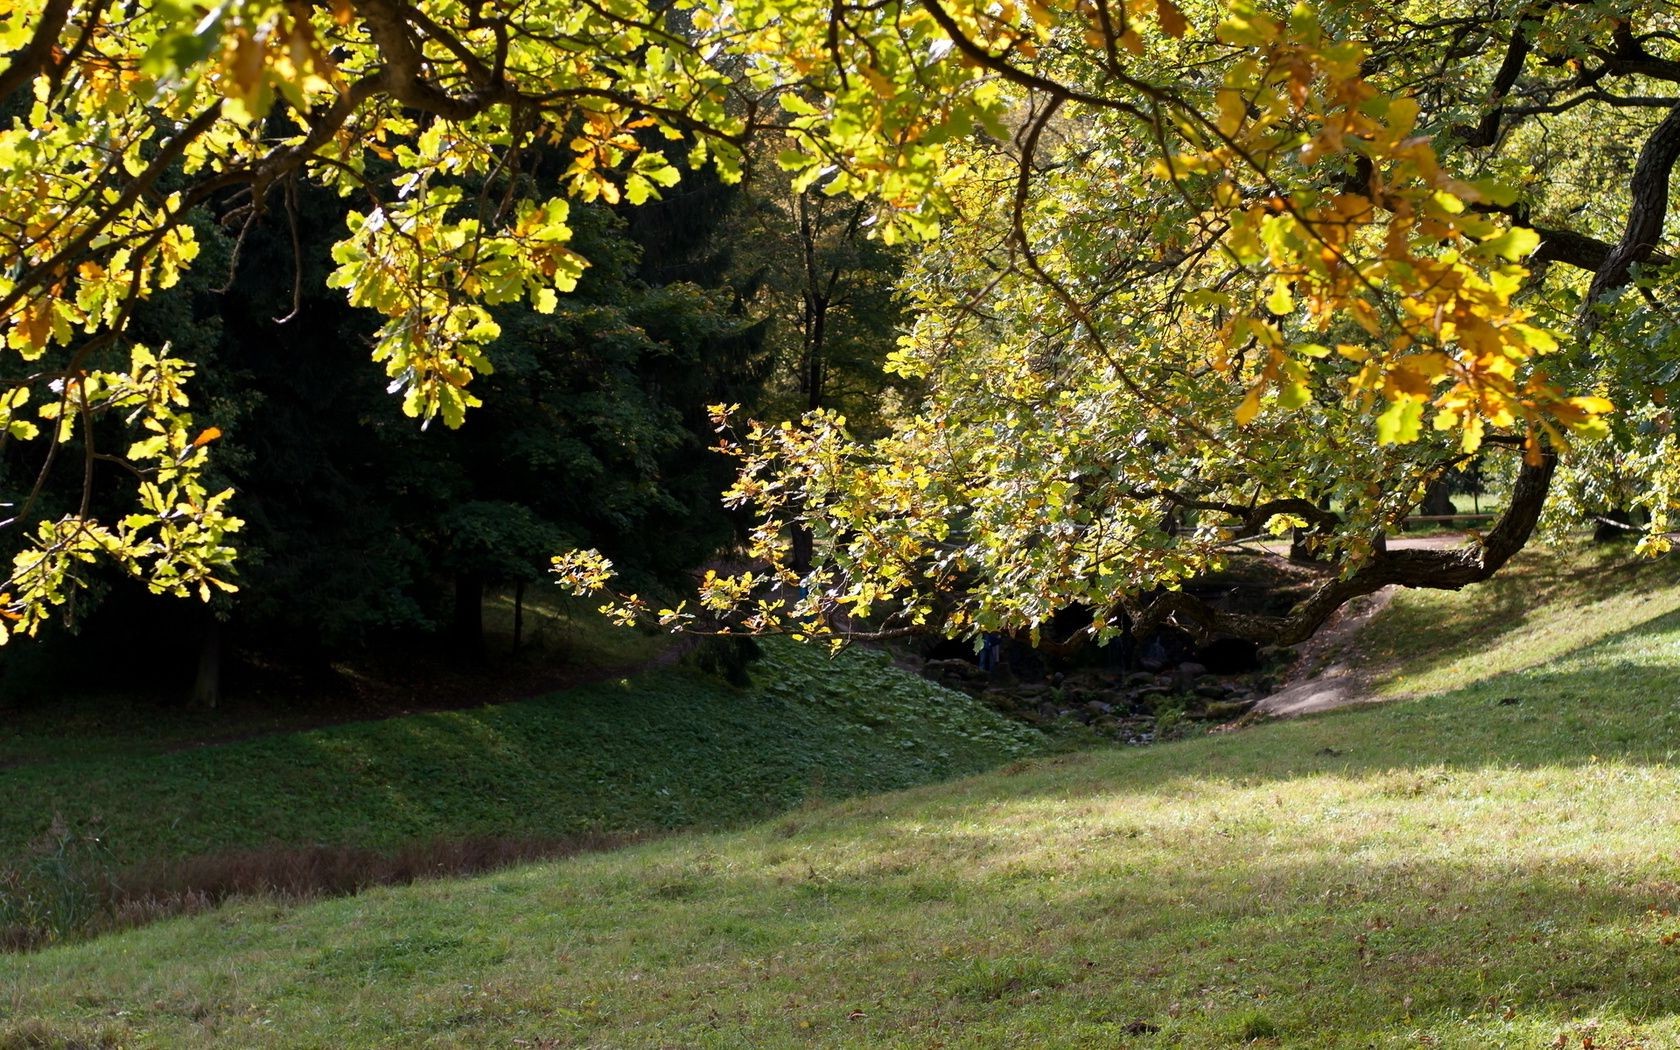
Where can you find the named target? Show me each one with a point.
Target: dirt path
(1332, 670)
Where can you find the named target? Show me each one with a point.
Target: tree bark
(468, 621)
(518, 613)
(207, 686)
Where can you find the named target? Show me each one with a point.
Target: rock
(1139, 678)
(1098, 707)
(1212, 691)
(958, 669)
(1225, 710)
(1047, 709)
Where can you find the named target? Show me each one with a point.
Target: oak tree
(1210, 263)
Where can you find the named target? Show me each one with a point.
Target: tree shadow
(1504, 607)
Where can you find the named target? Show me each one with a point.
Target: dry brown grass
(145, 893)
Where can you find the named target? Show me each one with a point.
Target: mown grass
(1545, 605)
(1494, 867)
(670, 748)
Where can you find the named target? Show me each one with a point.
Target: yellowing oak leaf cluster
(1181, 268)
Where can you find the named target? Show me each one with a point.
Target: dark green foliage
(727, 656)
(361, 524)
(668, 749)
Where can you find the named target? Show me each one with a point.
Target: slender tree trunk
(468, 621)
(518, 613)
(207, 687)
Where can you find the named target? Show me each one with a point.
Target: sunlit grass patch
(1494, 867)
(1546, 604)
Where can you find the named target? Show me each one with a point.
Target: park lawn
(1498, 866)
(1543, 606)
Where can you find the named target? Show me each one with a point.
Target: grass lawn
(1495, 866)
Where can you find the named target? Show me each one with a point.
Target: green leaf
(1400, 424)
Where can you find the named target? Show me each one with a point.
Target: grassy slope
(1450, 871)
(1541, 608)
(668, 749)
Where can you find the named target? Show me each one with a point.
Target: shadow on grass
(1320, 952)
(1021, 907)
(1611, 702)
(1427, 637)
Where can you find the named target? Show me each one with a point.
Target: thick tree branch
(1486, 131)
(1457, 568)
(1436, 569)
(1648, 209)
(33, 57)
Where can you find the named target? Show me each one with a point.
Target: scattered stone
(1229, 655)
(1225, 710)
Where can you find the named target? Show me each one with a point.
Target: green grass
(671, 748)
(560, 632)
(1545, 605)
(1451, 871)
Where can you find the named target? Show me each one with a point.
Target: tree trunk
(1437, 500)
(804, 546)
(468, 621)
(207, 687)
(518, 613)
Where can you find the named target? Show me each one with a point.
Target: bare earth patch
(1333, 669)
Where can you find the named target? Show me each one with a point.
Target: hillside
(169, 816)
(1490, 866)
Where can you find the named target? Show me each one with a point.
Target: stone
(1225, 710)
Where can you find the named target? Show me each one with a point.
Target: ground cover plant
(1494, 866)
(45, 718)
(670, 748)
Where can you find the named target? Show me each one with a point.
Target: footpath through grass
(1498, 866)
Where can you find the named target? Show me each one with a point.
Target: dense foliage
(1184, 267)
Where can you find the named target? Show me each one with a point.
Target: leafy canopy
(1227, 259)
